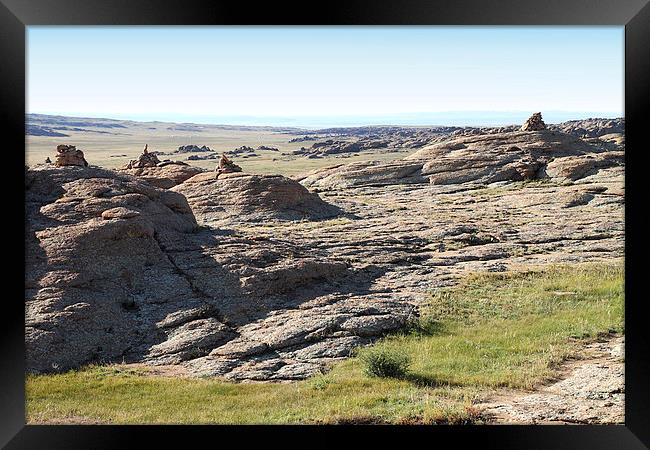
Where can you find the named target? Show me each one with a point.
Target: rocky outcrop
(226, 166)
(574, 168)
(146, 159)
(164, 176)
(329, 147)
(202, 157)
(94, 265)
(498, 157)
(592, 128)
(534, 123)
(117, 270)
(337, 141)
(244, 149)
(237, 196)
(483, 158)
(296, 344)
(68, 155)
(367, 173)
(192, 149)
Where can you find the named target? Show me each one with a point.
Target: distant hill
(50, 125)
(37, 130)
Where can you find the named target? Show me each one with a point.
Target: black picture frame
(15, 15)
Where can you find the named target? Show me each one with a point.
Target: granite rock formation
(117, 270)
(238, 196)
(146, 159)
(162, 174)
(534, 123)
(592, 128)
(192, 149)
(486, 158)
(68, 155)
(227, 166)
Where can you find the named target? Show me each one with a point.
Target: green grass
(490, 331)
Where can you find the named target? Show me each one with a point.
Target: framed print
(375, 219)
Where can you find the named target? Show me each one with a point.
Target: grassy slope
(492, 330)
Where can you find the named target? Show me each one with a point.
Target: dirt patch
(588, 390)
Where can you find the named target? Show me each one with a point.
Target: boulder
(534, 123)
(146, 159)
(237, 196)
(68, 155)
(227, 166)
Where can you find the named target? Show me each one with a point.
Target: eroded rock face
(295, 344)
(367, 173)
(68, 155)
(117, 270)
(534, 123)
(94, 267)
(513, 156)
(214, 197)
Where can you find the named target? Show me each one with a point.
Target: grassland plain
(116, 148)
(490, 331)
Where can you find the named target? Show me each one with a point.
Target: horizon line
(490, 117)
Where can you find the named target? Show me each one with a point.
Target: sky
(326, 76)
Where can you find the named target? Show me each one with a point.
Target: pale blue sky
(292, 74)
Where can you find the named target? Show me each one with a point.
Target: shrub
(385, 363)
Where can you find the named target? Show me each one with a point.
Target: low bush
(384, 363)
